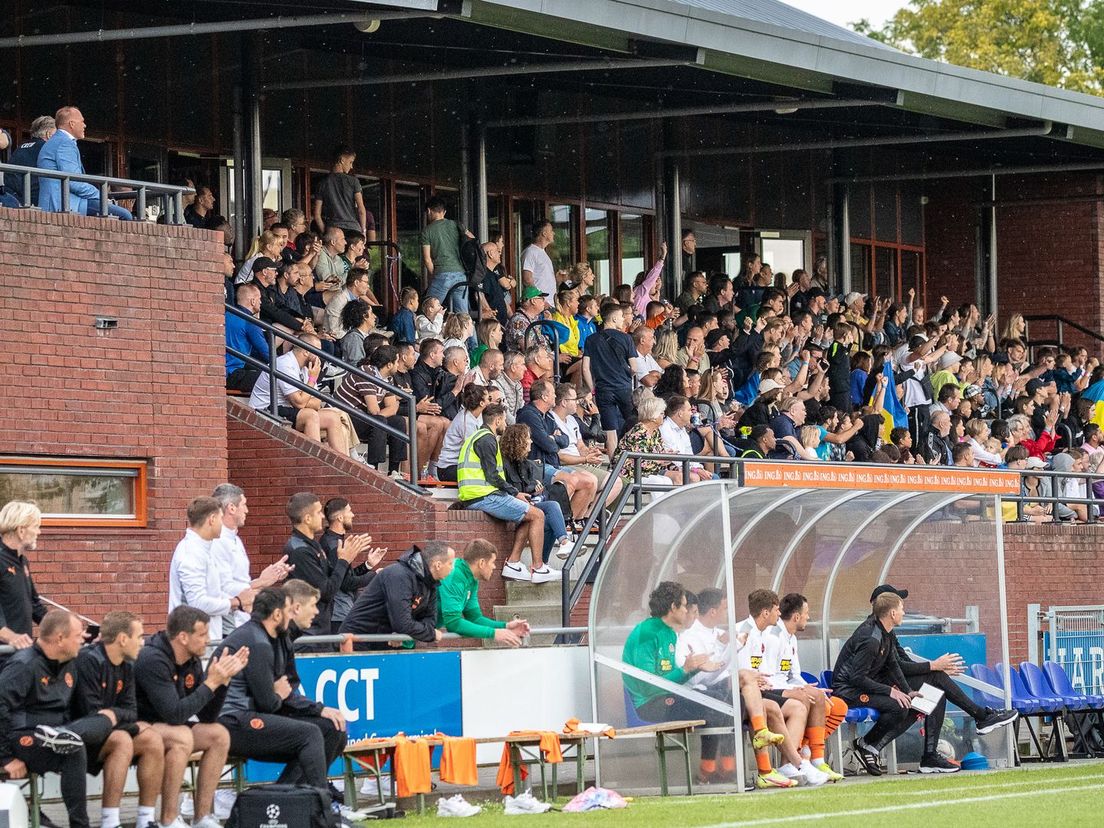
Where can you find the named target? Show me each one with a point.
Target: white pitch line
(903, 790)
(910, 807)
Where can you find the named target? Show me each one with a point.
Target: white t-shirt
(463, 426)
(702, 639)
(536, 260)
(229, 550)
(757, 653)
(645, 365)
(676, 439)
(786, 670)
(571, 429)
(287, 365)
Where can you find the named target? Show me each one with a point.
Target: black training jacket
(313, 566)
(402, 598)
(34, 690)
(269, 660)
(169, 692)
(102, 685)
(868, 663)
(20, 606)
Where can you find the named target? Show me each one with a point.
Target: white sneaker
(544, 575)
(180, 823)
(456, 806)
(562, 548)
(209, 821)
(525, 804)
(813, 776)
(369, 786)
(790, 772)
(186, 807)
(351, 814)
(224, 801)
(516, 571)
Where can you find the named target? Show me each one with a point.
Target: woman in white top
(456, 331)
(977, 432)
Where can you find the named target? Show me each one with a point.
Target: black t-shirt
(610, 352)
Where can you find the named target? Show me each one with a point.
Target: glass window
(76, 492)
(732, 264)
(564, 218)
(409, 216)
(632, 246)
(598, 248)
(885, 271)
(860, 267)
(784, 255)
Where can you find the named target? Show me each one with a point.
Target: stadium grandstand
(412, 395)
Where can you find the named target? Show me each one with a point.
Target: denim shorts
(502, 506)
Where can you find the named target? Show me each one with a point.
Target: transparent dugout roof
(831, 545)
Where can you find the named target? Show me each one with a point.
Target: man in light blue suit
(61, 153)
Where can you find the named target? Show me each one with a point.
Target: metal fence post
(273, 408)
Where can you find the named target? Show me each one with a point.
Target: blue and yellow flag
(893, 413)
(1095, 394)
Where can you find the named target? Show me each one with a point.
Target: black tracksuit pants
(297, 741)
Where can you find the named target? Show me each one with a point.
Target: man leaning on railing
(62, 154)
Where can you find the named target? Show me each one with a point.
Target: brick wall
(1050, 248)
(150, 389)
(272, 462)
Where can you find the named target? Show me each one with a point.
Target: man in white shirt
(648, 371)
(826, 713)
(229, 551)
(577, 454)
(676, 439)
(299, 408)
(196, 575)
(537, 269)
(758, 651)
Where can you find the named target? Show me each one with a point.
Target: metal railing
(390, 258)
(269, 370)
(142, 192)
(1061, 323)
(629, 464)
(550, 327)
(399, 638)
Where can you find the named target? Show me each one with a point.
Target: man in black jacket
(105, 686)
(868, 674)
(36, 687)
(182, 704)
(339, 522)
(266, 720)
(310, 561)
(402, 598)
(272, 311)
(20, 606)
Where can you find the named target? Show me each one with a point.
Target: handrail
(571, 594)
(383, 638)
(550, 326)
(172, 194)
(388, 266)
(1060, 323)
(410, 437)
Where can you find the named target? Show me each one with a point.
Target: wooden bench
(525, 749)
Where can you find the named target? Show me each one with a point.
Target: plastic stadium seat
(854, 714)
(1038, 685)
(1045, 703)
(983, 673)
(810, 678)
(1060, 682)
(632, 718)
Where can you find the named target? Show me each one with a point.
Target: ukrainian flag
(1095, 394)
(893, 413)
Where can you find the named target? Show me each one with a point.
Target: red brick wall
(272, 462)
(150, 389)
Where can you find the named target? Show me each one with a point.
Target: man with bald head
(61, 153)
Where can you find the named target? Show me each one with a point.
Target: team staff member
(938, 673)
(20, 606)
(36, 687)
(867, 674)
(182, 703)
(309, 560)
(105, 686)
(339, 519)
(826, 712)
(402, 598)
(265, 719)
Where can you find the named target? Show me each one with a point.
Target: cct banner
(381, 695)
(901, 478)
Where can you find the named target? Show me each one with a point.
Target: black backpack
(281, 806)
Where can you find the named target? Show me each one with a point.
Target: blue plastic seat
(810, 678)
(1038, 685)
(983, 673)
(632, 718)
(855, 715)
(1059, 680)
(1045, 703)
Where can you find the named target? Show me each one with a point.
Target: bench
(525, 749)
